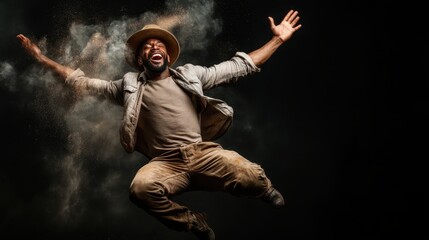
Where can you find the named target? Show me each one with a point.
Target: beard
(157, 69)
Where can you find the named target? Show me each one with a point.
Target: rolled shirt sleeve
(94, 86)
(224, 72)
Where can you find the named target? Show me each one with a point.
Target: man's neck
(158, 76)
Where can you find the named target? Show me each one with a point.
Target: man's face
(153, 55)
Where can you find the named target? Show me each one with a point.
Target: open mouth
(156, 58)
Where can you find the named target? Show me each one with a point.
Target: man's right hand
(30, 47)
(46, 62)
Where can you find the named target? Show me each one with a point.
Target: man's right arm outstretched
(74, 78)
(34, 51)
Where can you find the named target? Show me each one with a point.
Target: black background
(335, 118)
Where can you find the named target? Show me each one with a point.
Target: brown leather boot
(200, 227)
(274, 198)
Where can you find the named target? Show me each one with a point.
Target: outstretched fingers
(25, 42)
(292, 18)
(29, 46)
(21, 37)
(288, 15)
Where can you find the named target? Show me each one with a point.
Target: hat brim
(134, 41)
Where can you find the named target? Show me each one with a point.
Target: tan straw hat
(151, 31)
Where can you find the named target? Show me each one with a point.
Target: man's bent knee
(145, 192)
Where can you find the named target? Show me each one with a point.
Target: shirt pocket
(129, 88)
(130, 94)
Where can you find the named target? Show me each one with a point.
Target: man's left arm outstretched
(281, 33)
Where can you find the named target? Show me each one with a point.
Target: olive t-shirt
(168, 118)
